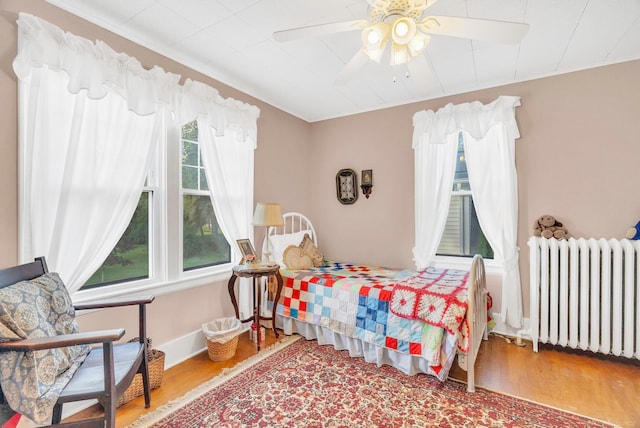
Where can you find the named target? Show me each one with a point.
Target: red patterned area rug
(307, 385)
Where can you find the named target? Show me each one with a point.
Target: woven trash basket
(155, 359)
(222, 338)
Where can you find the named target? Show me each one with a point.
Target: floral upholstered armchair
(45, 361)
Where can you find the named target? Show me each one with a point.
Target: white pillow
(279, 243)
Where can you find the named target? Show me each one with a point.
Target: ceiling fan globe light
(403, 30)
(418, 44)
(373, 37)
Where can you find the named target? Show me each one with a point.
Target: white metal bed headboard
(294, 222)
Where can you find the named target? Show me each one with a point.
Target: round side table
(256, 271)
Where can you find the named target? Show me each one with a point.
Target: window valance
(200, 100)
(475, 118)
(98, 69)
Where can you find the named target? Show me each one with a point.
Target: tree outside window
(203, 241)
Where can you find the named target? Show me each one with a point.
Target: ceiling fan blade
(422, 74)
(318, 30)
(353, 66)
(476, 29)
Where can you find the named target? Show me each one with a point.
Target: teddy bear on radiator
(548, 227)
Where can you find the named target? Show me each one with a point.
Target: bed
(415, 321)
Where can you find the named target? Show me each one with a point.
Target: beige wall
(577, 160)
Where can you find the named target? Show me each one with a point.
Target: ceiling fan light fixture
(418, 44)
(375, 36)
(402, 25)
(403, 30)
(374, 54)
(399, 54)
(374, 39)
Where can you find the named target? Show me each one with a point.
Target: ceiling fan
(402, 24)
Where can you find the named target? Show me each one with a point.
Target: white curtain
(81, 176)
(89, 118)
(435, 166)
(490, 132)
(229, 169)
(227, 146)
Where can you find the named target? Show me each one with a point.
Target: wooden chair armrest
(115, 302)
(91, 337)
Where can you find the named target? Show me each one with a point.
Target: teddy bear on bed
(547, 226)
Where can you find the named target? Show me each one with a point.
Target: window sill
(491, 266)
(155, 288)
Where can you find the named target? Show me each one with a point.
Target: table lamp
(268, 214)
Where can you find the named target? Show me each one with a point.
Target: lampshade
(268, 214)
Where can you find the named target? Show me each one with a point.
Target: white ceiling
(231, 41)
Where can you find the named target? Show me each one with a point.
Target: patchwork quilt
(355, 301)
(437, 297)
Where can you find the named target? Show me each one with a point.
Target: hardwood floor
(587, 384)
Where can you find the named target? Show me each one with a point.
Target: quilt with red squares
(437, 297)
(354, 300)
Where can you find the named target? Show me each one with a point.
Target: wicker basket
(155, 359)
(222, 351)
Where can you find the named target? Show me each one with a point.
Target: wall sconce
(367, 182)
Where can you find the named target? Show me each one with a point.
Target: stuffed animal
(548, 227)
(634, 232)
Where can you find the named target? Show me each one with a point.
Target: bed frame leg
(471, 382)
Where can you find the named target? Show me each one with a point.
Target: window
(129, 260)
(124, 134)
(462, 235)
(203, 243)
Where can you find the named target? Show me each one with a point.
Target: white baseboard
(183, 348)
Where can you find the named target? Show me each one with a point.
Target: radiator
(584, 294)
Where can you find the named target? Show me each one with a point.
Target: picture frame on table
(247, 250)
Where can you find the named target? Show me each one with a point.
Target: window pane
(129, 260)
(203, 241)
(461, 178)
(203, 180)
(462, 234)
(193, 176)
(189, 153)
(189, 177)
(190, 131)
